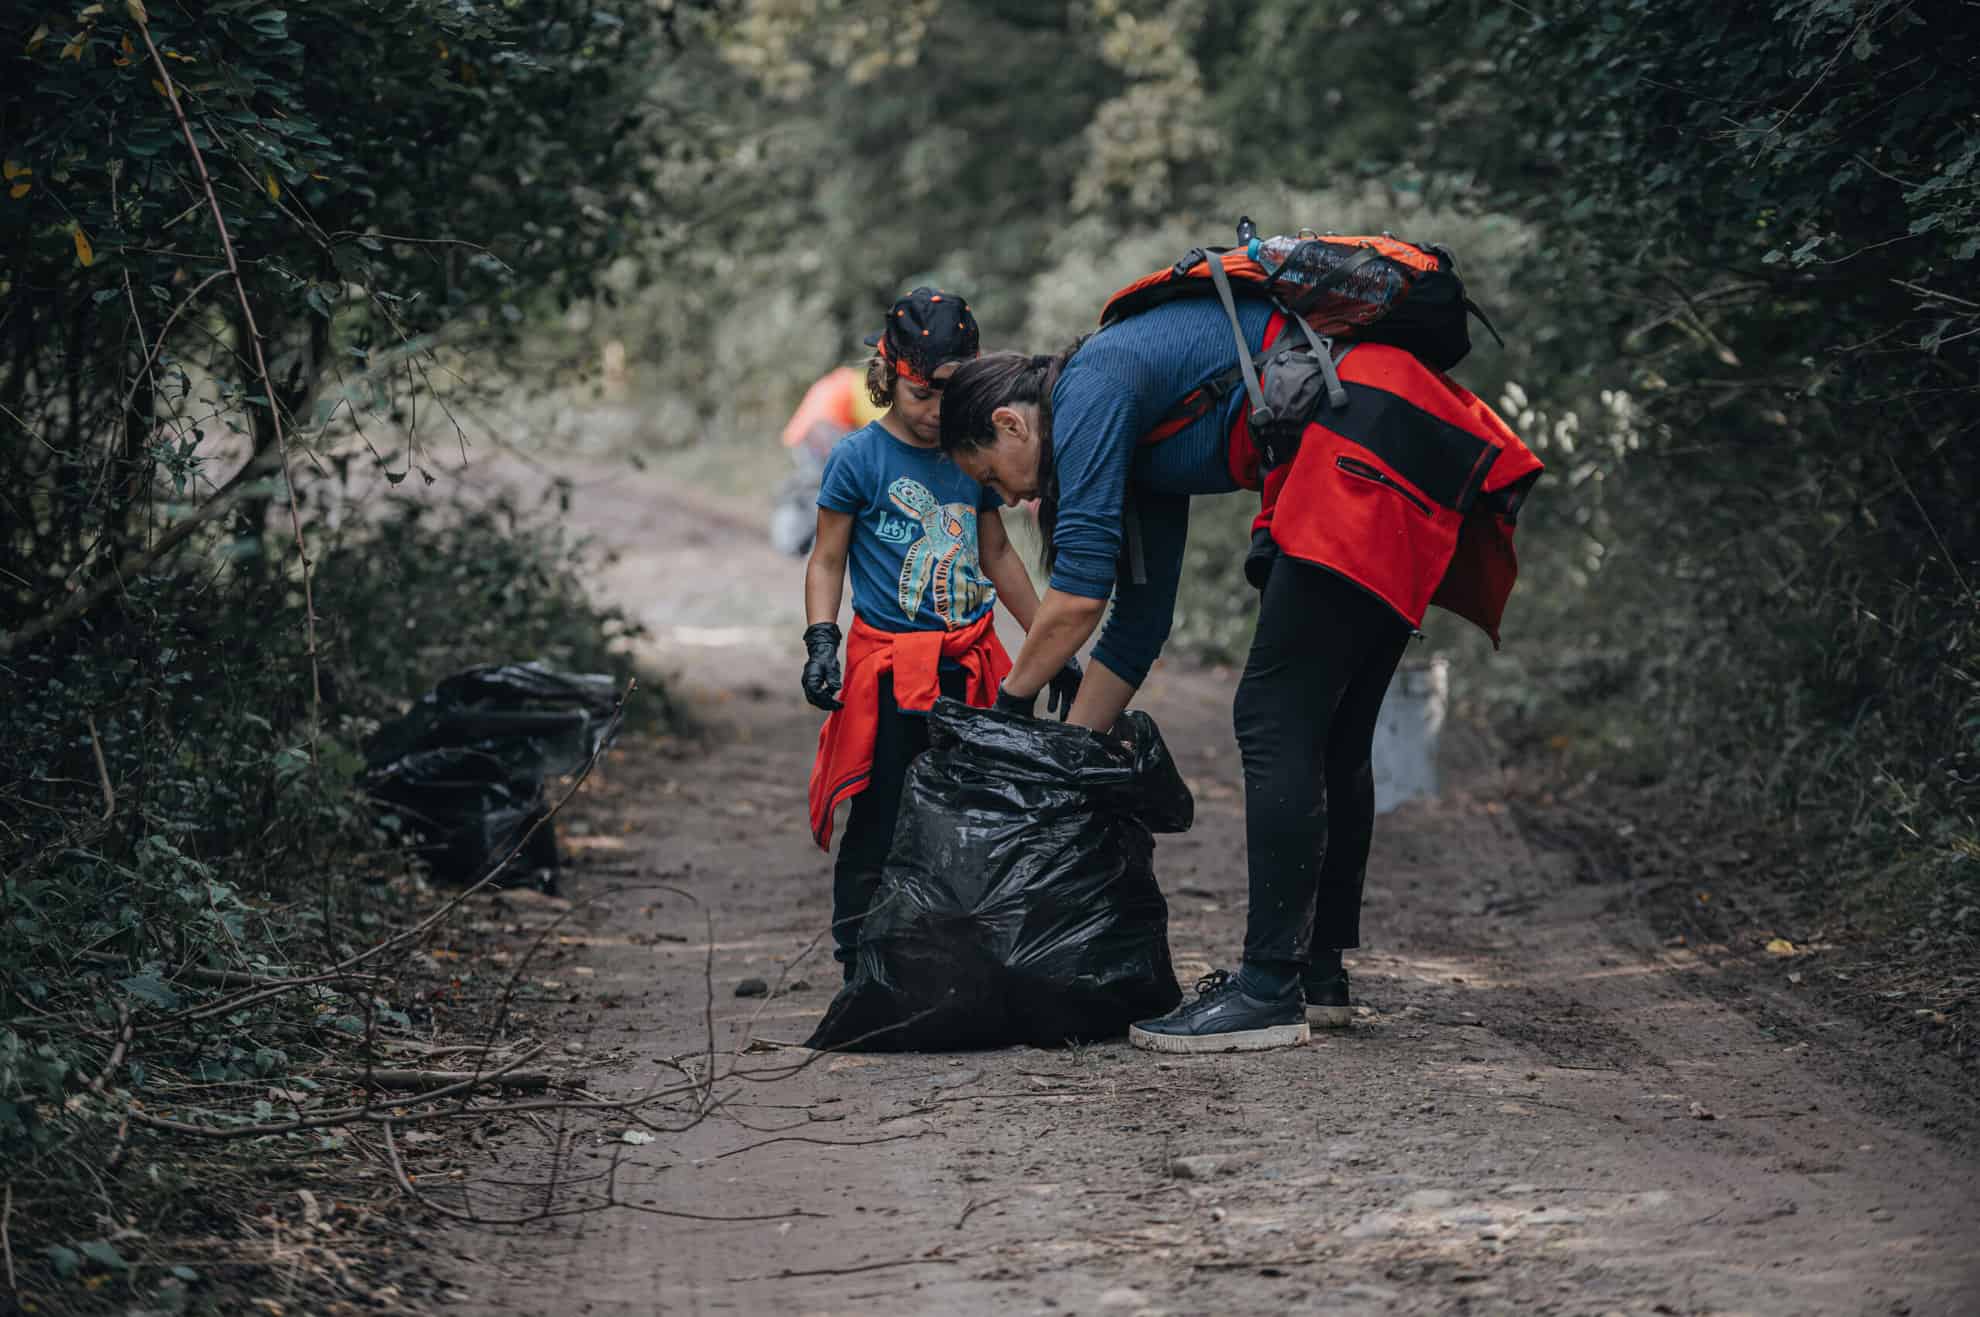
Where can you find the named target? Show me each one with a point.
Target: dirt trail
(1540, 1110)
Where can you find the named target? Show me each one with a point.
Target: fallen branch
(370, 1111)
(414, 1080)
(6, 1244)
(267, 989)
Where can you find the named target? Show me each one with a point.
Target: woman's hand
(1062, 624)
(1103, 697)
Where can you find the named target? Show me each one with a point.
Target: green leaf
(148, 987)
(65, 1260)
(104, 1255)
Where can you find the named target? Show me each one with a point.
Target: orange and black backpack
(1352, 289)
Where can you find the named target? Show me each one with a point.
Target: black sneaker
(1327, 1004)
(1224, 1018)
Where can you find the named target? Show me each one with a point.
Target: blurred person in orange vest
(836, 405)
(833, 408)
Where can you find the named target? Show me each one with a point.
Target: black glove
(1062, 689)
(821, 669)
(1258, 562)
(1024, 705)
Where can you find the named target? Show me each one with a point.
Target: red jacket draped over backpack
(1411, 491)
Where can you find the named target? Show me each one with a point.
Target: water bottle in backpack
(1343, 268)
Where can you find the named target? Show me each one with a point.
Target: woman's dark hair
(880, 379)
(1000, 379)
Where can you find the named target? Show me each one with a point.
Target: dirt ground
(1540, 1109)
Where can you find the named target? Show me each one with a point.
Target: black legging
(869, 833)
(1305, 713)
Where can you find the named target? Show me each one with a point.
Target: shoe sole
(1242, 1040)
(1330, 1017)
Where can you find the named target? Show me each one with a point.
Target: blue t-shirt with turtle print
(913, 556)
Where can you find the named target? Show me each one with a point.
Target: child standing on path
(929, 560)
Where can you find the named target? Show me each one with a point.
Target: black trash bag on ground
(1019, 903)
(464, 768)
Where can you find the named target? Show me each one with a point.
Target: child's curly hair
(880, 380)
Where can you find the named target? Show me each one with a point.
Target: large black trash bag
(1019, 903)
(464, 768)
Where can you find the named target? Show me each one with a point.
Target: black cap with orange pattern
(926, 330)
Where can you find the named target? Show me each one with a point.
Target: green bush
(208, 839)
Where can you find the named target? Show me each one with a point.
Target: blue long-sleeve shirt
(1116, 388)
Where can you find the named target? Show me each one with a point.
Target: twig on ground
(823, 1143)
(708, 999)
(6, 1244)
(507, 998)
(772, 1074)
(124, 1035)
(783, 976)
(848, 1271)
(121, 1146)
(974, 1205)
(407, 1187)
(925, 1105)
(102, 771)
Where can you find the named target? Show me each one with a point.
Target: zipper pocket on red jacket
(1356, 467)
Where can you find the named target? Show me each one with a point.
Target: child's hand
(1063, 689)
(1025, 706)
(821, 668)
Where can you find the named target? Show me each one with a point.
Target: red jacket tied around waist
(1410, 491)
(845, 743)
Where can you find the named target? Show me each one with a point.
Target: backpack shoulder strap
(1252, 389)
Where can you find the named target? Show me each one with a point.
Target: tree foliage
(1777, 204)
(387, 174)
(354, 193)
